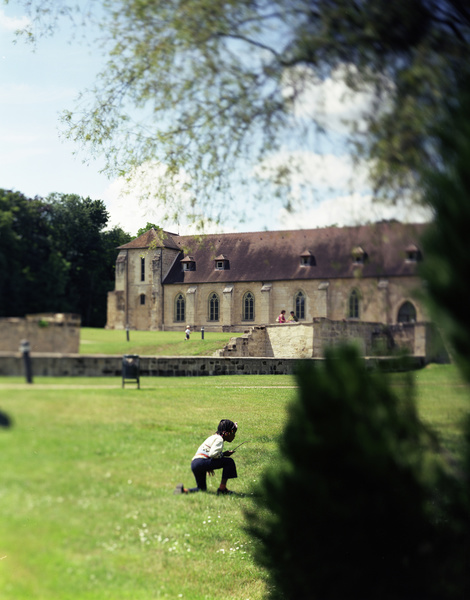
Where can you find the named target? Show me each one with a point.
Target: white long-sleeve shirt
(213, 447)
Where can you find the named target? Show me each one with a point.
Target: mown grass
(151, 343)
(87, 509)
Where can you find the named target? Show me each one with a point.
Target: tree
(445, 270)
(209, 88)
(351, 510)
(32, 274)
(55, 256)
(77, 224)
(358, 482)
(143, 230)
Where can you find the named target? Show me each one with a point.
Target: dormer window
(359, 255)
(412, 253)
(307, 259)
(222, 263)
(188, 263)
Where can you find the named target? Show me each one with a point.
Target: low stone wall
(309, 340)
(44, 332)
(280, 341)
(369, 338)
(290, 340)
(79, 365)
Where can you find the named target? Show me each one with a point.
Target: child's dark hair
(226, 426)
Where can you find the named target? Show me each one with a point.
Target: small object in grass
(179, 489)
(224, 492)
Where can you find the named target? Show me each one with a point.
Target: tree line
(56, 255)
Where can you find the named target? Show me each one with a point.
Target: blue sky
(36, 86)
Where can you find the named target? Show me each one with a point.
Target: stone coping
(106, 365)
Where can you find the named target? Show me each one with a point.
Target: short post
(202, 333)
(25, 350)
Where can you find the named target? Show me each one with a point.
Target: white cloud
(12, 23)
(330, 102)
(350, 210)
(135, 202)
(320, 173)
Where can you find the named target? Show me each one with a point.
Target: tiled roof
(275, 255)
(151, 237)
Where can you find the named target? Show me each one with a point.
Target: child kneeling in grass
(211, 456)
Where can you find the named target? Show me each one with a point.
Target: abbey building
(232, 281)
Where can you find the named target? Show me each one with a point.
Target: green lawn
(87, 509)
(151, 343)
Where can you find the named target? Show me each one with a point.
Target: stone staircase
(251, 343)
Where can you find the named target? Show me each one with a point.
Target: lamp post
(25, 349)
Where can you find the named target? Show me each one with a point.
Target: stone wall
(328, 333)
(253, 343)
(79, 365)
(301, 340)
(57, 365)
(379, 300)
(45, 333)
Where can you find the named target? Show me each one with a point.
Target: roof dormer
(221, 263)
(188, 263)
(307, 259)
(359, 255)
(412, 253)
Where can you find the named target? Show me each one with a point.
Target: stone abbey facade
(232, 281)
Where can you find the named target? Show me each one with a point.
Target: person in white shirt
(211, 456)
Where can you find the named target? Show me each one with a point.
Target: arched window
(213, 307)
(299, 303)
(142, 299)
(248, 307)
(406, 313)
(354, 305)
(179, 308)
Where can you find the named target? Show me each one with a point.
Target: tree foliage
(55, 256)
(447, 253)
(209, 88)
(360, 506)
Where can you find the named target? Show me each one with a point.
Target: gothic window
(213, 307)
(299, 302)
(354, 305)
(142, 268)
(179, 308)
(142, 299)
(406, 313)
(248, 307)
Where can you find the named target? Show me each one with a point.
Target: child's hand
(229, 452)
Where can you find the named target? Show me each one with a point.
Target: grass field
(87, 510)
(151, 343)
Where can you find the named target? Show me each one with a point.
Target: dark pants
(200, 466)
